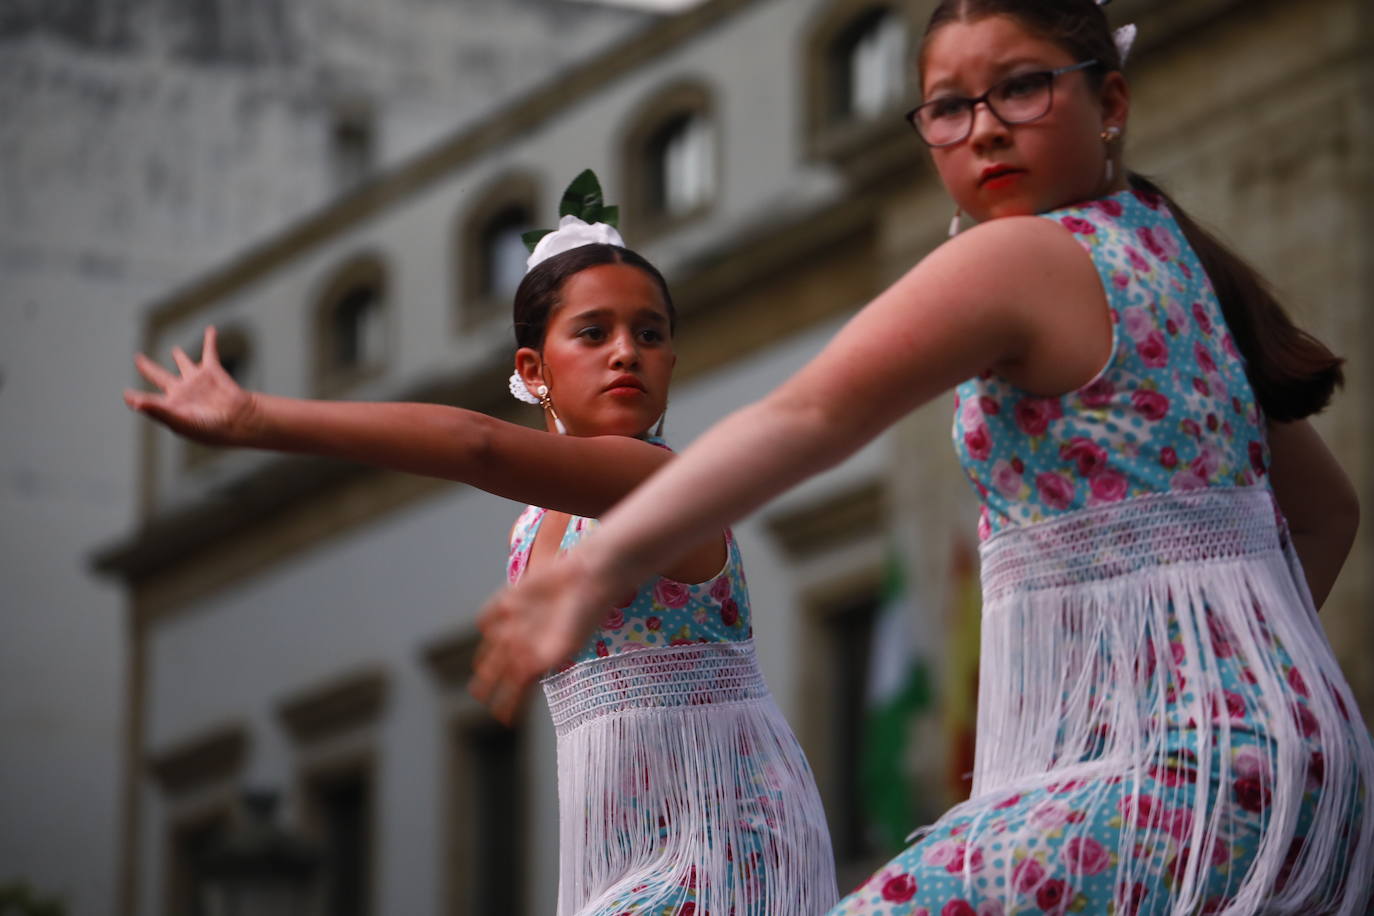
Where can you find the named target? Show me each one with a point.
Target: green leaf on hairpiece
(582, 198)
(532, 237)
(610, 216)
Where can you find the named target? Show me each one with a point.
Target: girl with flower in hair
(681, 786)
(1162, 725)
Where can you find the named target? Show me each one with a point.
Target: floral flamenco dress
(1162, 726)
(681, 787)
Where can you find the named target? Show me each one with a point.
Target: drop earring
(954, 223)
(546, 402)
(658, 430)
(1109, 136)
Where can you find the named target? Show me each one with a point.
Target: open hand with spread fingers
(203, 402)
(531, 628)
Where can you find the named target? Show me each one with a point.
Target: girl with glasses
(1162, 726)
(681, 786)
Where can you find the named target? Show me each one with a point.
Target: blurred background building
(339, 186)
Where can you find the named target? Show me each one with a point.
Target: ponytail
(1292, 373)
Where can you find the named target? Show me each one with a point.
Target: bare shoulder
(1030, 242)
(1038, 280)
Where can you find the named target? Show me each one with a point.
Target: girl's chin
(636, 426)
(1006, 208)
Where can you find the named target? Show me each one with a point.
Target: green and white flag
(898, 691)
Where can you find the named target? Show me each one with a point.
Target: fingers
(137, 400)
(184, 362)
(154, 372)
(209, 349)
(497, 685)
(501, 669)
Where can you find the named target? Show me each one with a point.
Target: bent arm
(1318, 501)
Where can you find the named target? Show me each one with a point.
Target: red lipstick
(625, 385)
(999, 176)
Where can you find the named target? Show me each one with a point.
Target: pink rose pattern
(1054, 851)
(663, 612)
(1172, 410)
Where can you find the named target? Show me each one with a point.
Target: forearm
(429, 439)
(739, 465)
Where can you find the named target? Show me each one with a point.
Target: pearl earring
(546, 402)
(954, 224)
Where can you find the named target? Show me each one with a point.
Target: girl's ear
(1116, 100)
(530, 365)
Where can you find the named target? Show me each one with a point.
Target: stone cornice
(211, 757)
(349, 702)
(841, 518)
(451, 659)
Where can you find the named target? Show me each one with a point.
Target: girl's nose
(624, 352)
(987, 129)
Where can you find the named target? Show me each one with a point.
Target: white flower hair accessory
(1123, 37)
(572, 232)
(584, 219)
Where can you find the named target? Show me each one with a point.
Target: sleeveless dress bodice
(1170, 411)
(662, 613)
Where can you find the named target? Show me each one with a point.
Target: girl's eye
(1024, 86)
(651, 335)
(593, 333)
(950, 108)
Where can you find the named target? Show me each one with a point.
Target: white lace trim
(700, 674)
(1103, 542)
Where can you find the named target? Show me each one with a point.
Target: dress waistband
(701, 674)
(1104, 542)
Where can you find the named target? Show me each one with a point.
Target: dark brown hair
(540, 291)
(1292, 373)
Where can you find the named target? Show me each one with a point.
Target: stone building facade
(307, 627)
(141, 142)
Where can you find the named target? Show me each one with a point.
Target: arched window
(504, 252)
(671, 160)
(858, 75)
(867, 61)
(681, 161)
(490, 256)
(235, 354)
(351, 325)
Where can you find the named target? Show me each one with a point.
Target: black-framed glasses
(1014, 100)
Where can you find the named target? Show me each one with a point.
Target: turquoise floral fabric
(663, 612)
(1171, 409)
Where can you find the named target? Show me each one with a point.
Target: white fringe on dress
(1078, 682)
(676, 767)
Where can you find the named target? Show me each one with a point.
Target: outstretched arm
(581, 476)
(946, 320)
(1318, 501)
